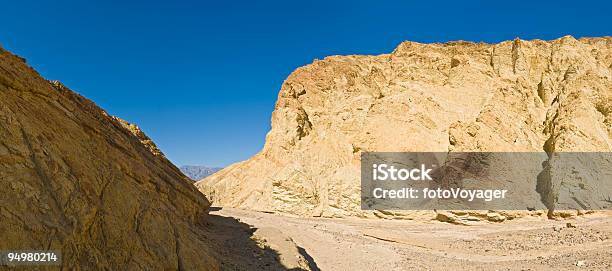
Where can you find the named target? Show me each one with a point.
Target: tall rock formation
(518, 95)
(76, 180)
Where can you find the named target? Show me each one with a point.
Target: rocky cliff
(78, 181)
(518, 95)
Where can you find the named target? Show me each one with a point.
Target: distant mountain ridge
(197, 173)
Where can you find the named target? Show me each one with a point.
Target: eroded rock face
(76, 180)
(532, 96)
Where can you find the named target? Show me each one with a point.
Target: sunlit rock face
(90, 186)
(518, 95)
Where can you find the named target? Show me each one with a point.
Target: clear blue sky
(201, 78)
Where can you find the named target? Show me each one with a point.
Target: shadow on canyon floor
(311, 262)
(240, 251)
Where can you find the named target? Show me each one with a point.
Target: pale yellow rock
(516, 95)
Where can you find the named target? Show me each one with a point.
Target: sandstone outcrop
(514, 96)
(76, 180)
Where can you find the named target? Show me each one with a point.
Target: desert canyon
(95, 187)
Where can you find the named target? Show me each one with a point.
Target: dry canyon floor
(530, 243)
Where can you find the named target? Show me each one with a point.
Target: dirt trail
(367, 244)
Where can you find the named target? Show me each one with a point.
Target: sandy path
(366, 244)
